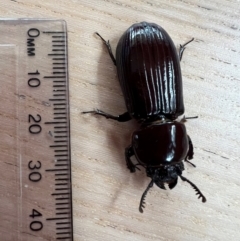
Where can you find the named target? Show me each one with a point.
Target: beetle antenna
(142, 202)
(198, 192)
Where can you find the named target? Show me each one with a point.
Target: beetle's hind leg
(128, 153)
(120, 118)
(107, 43)
(182, 48)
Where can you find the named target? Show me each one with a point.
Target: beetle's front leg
(121, 118)
(190, 152)
(128, 153)
(107, 43)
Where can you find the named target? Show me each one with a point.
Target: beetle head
(166, 175)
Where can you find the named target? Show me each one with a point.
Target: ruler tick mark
(61, 189)
(64, 233)
(59, 90)
(62, 198)
(59, 113)
(56, 54)
(58, 204)
(57, 99)
(64, 213)
(59, 81)
(56, 194)
(61, 184)
(56, 122)
(59, 108)
(59, 67)
(62, 223)
(59, 118)
(53, 32)
(64, 238)
(57, 72)
(60, 165)
(58, 145)
(56, 170)
(54, 77)
(49, 219)
(58, 36)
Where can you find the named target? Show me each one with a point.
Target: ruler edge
(69, 124)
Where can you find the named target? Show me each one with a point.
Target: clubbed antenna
(142, 202)
(195, 188)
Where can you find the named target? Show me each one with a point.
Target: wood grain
(105, 195)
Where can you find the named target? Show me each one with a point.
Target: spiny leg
(107, 43)
(128, 153)
(121, 118)
(182, 48)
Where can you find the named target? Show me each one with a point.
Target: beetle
(148, 68)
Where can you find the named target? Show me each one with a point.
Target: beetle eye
(136, 137)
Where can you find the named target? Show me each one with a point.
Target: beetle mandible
(148, 68)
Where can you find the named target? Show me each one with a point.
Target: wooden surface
(105, 195)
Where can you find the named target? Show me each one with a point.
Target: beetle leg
(121, 118)
(107, 43)
(190, 152)
(182, 48)
(128, 153)
(184, 119)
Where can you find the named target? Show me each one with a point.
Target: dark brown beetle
(149, 72)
